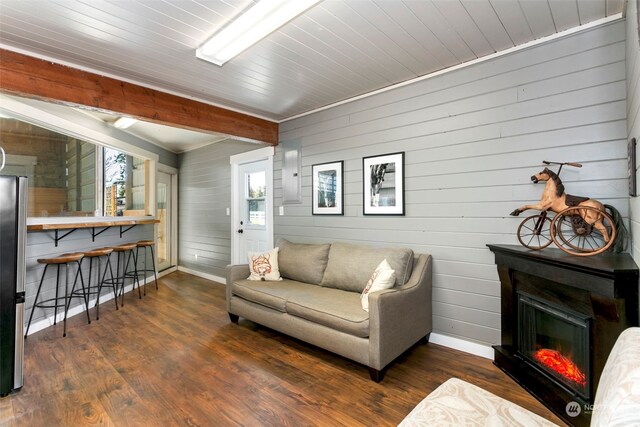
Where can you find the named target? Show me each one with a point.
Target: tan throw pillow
(264, 265)
(384, 277)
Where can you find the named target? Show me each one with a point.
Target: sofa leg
(425, 339)
(376, 375)
(234, 318)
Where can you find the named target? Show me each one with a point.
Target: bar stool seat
(98, 252)
(96, 287)
(62, 259)
(59, 301)
(124, 247)
(143, 270)
(125, 254)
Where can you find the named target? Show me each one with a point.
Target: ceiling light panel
(124, 122)
(256, 23)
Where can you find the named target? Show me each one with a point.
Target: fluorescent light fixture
(124, 122)
(259, 21)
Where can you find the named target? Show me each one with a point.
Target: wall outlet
(228, 211)
(281, 210)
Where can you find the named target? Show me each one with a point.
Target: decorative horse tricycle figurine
(581, 225)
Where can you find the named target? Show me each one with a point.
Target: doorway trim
(174, 217)
(236, 160)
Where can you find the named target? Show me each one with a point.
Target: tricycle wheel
(583, 231)
(534, 232)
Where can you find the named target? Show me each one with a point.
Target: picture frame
(327, 188)
(383, 184)
(631, 167)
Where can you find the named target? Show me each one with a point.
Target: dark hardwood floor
(173, 358)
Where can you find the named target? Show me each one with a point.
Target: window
(256, 192)
(124, 184)
(72, 177)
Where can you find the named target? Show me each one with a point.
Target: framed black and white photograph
(383, 178)
(631, 167)
(327, 188)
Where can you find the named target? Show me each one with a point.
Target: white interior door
(252, 204)
(163, 213)
(252, 225)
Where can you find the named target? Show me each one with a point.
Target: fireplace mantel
(606, 274)
(602, 288)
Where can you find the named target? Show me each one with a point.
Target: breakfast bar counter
(124, 224)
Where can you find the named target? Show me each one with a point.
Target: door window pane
(163, 228)
(257, 212)
(256, 185)
(256, 191)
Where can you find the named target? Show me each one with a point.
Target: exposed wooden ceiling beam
(30, 77)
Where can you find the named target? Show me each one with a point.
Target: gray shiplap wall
(204, 192)
(472, 139)
(633, 113)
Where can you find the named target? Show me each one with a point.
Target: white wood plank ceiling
(336, 50)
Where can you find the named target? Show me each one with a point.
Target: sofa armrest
(400, 317)
(617, 401)
(235, 272)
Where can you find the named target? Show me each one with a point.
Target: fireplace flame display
(560, 364)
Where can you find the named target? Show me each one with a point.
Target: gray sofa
(318, 300)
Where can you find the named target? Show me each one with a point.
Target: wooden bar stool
(101, 274)
(125, 257)
(55, 302)
(144, 244)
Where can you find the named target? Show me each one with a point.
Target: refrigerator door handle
(18, 370)
(23, 191)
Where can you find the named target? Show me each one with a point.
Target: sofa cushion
(303, 262)
(272, 294)
(350, 266)
(334, 308)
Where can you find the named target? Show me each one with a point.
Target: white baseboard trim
(462, 345)
(167, 271)
(218, 279)
(47, 322)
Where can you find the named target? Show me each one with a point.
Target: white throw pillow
(264, 265)
(384, 277)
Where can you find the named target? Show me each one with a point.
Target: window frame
(23, 109)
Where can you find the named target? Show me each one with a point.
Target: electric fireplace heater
(560, 317)
(556, 342)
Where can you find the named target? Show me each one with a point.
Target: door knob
(240, 231)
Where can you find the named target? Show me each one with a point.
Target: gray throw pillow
(303, 262)
(350, 266)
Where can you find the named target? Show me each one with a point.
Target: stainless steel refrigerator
(13, 236)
